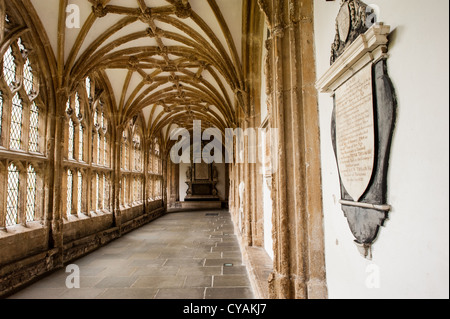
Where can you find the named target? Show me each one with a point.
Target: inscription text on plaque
(355, 132)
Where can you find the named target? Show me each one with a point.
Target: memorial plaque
(202, 171)
(355, 132)
(363, 119)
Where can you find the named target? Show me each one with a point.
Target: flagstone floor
(185, 255)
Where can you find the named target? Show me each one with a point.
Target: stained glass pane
(31, 194)
(69, 192)
(80, 192)
(71, 139)
(34, 128)
(9, 66)
(16, 123)
(12, 201)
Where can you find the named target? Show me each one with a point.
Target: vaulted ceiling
(172, 61)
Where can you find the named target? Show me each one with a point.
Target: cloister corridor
(182, 255)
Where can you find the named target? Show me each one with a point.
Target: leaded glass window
(1, 112)
(31, 194)
(69, 192)
(16, 123)
(80, 143)
(12, 201)
(80, 192)
(71, 139)
(99, 148)
(126, 158)
(105, 151)
(125, 190)
(105, 191)
(97, 192)
(9, 66)
(34, 128)
(135, 191)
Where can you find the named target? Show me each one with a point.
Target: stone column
(299, 264)
(57, 123)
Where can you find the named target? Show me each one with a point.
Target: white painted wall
(220, 186)
(411, 254)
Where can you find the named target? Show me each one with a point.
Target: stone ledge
(259, 266)
(201, 205)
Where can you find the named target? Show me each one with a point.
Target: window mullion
(25, 125)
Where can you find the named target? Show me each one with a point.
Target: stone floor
(179, 256)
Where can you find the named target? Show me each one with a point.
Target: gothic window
(34, 128)
(16, 123)
(12, 201)
(69, 192)
(21, 115)
(31, 194)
